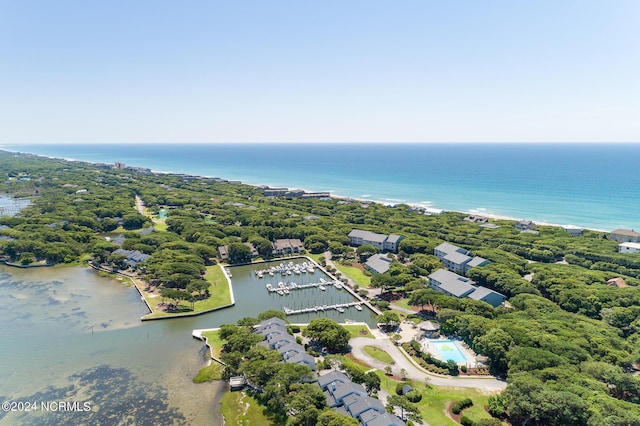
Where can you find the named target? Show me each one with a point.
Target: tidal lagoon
(71, 335)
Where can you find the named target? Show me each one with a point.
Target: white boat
(358, 307)
(269, 287)
(285, 290)
(340, 309)
(260, 274)
(280, 292)
(322, 280)
(270, 273)
(337, 285)
(296, 271)
(310, 269)
(288, 271)
(321, 287)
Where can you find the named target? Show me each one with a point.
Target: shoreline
(332, 194)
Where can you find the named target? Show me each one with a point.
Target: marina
(340, 307)
(286, 287)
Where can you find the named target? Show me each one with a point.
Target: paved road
(488, 384)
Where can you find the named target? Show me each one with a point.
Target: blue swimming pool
(447, 350)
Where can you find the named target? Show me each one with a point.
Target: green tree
(365, 251)
(389, 318)
(328, 333)
(133, 221)
(333, 418)
(407, 408)
(239, 253)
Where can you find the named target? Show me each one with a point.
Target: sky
(77, 71)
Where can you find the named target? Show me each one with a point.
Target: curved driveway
(488, 384)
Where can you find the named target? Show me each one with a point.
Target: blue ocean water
(591, 185)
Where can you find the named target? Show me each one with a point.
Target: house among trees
(525, 225)
(617, 282)
(378, 264)
(457, 259)
(461, 287)
(629, 248)
(223, 251)
(476, 219)
(383, 242)
(288, 246)
(351, 399)
(625, 236)
(132, 257)
(276, 336)
(575, 231)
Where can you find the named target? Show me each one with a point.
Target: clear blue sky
(324, 71)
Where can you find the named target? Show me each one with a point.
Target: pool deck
(433, 350)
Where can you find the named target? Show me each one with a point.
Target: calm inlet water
(252, 296)
(70, 335)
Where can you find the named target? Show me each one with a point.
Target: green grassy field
(379, 354)
(355, 274)
(219, 289)
(209, 373)
(358, 330)
(214, 341)
(238, 408)
(436, 401)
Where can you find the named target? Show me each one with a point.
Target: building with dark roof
(457, 259)
(458, 286)
(383, 242)
(374, 418)
(357, 404)
(288, 246)
(484, 294)
(378, 264)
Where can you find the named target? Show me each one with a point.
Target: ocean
(595, 186)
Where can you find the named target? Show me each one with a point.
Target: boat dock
(273, 288)
(338, 307)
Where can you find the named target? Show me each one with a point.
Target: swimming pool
(446, 349)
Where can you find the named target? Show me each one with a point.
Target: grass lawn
(209, 373)
(316, 257)
(403, 303)
(379, 354)
(214, 341)
(437, 400)
(355, 274)
(218, 288)
(238, 408)
(358, 330)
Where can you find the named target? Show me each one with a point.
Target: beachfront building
(455, 285)
(575, 231)
(525, 225)
(288, 246)
(378, 264)
(383, 242)
(625, 236)
(629, 248)
(457, 259)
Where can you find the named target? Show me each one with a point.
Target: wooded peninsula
(567, 338)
